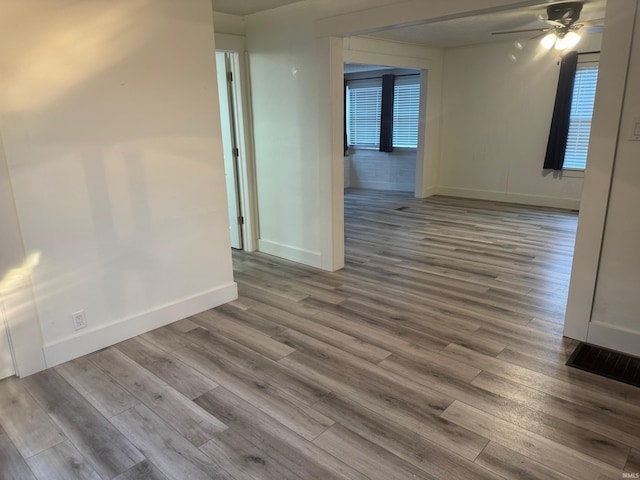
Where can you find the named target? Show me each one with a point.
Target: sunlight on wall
(65, 49)
(16, 276)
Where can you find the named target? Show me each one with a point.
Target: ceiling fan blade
(596, 22)
(555, 23)
(539, 35)
(520, 31)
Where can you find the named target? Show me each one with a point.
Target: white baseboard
(429, 192)
(615, 338)
(537, 200)
(307, 257)
(92, 340)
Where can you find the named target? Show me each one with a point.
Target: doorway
(371, 163)
(230, 146)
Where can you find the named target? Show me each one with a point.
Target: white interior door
(6, 359)
(229, 148)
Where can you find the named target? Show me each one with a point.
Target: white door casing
(229, 147)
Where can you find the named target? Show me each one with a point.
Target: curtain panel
(386, 124)
(559, 131)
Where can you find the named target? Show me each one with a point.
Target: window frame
(375, 146)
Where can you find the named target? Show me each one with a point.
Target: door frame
(230, 146)
(607, 117)
(240, 93)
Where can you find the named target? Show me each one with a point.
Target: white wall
(606, 128)
(497, 108)
(17, 304)
(383, 170)
(112, 137)
(285, 89)
(615, 322)
(225, 23)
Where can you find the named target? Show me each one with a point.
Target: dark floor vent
(608, 363)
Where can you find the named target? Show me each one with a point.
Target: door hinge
(241, 220)
(236, 152)
(229, 76)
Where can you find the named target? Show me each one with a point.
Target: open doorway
(235, 120)
(382, 113)
(230, 147)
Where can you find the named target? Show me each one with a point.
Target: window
(406, 108)
(364, 102)
(363, 111)
(584, 92)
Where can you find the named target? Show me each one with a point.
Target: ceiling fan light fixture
(549, 40)
(561, 43)
(568, 40)
(571, 39)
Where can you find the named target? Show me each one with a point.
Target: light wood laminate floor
(437, 353)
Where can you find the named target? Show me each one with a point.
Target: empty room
(430, 270)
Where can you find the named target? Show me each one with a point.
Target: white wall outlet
(79, 320)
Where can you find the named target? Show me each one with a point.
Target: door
(6, 358)
(229, 146)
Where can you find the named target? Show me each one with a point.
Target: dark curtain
(557, 143)
(344, 120)
(386, 121)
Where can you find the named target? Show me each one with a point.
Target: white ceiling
(477, 29)
(449, 33)
(247, 7)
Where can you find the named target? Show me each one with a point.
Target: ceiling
(448, 33)
(477, 29)
(247, 7)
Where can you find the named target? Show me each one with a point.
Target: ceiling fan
(563, 20)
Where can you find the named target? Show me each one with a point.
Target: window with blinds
(584, 92)
(364, 102)
(406, 111)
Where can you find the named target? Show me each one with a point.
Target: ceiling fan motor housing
(565, 13)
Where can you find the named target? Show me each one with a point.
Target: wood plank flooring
(437, 353)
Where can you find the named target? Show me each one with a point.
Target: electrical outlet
(79, 320)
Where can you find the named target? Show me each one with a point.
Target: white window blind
(584, 92)
(406, 108)
(364, 102)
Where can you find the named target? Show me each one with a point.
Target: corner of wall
(17, 302)
(229, 24)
